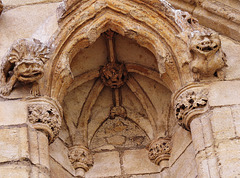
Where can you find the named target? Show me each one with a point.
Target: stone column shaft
(191, 108)
(203, 143)
(24, 146)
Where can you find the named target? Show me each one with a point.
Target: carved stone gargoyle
(207, 56)
(24, 63)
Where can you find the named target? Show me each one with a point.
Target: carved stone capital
(80, 157)
(45, 116)
(189, 103)
(159, 150)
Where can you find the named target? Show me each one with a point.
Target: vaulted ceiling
(117, 85)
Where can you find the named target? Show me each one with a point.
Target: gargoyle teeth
(31, 75)
(205, 49)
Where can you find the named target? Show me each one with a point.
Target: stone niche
(116, 122)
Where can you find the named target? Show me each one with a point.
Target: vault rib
(81, 132)
(83, 78)
(144, 100)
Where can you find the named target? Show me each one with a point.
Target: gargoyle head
(205, 43)
(28, 58)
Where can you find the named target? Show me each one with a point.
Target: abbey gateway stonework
(120, 88)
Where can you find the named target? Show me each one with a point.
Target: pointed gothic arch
(150, 26)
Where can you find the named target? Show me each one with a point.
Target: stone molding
(80, 157)
(24, 62)
(212, 12)
(160, 150)
(188, 103)
(45, 115)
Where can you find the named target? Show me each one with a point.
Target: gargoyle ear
(13, 59)
(37, 41)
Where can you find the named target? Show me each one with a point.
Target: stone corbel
(81, 159)
(45, 115)
(159, 151)
(188, 103)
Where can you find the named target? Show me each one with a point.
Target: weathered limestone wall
(220, 15)
(20, 151)
(21, 19)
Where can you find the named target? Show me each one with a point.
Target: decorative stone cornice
(80, 157)
(188, 103)
(159, 150)
(45, 115)
(211, 12)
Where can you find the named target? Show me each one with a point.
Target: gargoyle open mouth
(207, 48)
(32, 75)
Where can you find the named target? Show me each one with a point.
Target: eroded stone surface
(224, 93)
(17, 23)
(17, 113)
(105, 164)
(13, 144)
(179, 170)
(133, 162)
(120, 133)
(26, 2)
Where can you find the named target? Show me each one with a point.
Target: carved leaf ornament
(80, 157)
(160, 150)
(45, 117)
(113, 75)
(188, 102)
